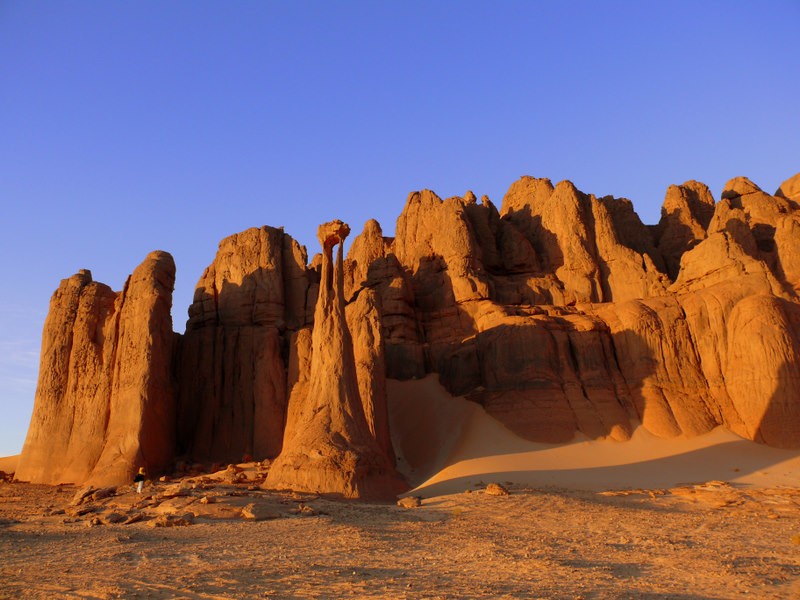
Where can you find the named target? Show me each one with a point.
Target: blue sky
(127, 127)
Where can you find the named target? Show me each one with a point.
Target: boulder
(495, 489)
(410, 502)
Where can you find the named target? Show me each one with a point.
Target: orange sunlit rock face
(105, 398)
(559, 313)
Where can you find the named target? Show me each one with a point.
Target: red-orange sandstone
(559, 313)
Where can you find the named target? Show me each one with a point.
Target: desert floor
(713, 540)
(708, 517)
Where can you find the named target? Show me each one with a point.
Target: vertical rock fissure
(572, 351)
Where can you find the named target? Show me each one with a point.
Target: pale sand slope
(447, 445)
(8, 464)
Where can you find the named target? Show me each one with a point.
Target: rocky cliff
(559, 313)
(105, 398)
(233, 357)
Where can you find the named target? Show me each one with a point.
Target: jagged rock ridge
(559, 313)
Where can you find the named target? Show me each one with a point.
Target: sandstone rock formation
(560, 313)
(330, 443)
(685, 216)
(587, 333)
(105, 399)
(232, 364)
(790, 188)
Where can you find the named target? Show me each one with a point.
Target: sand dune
(449, 444)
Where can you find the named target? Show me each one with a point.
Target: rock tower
(328, 445)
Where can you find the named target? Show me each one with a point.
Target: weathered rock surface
(685, 216)
(561, 313)
(586, 333)
(598, 250)
(232, 366)
(399, 320)
(105, 400)
(330, 444)
(790, 188)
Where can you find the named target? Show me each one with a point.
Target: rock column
(328, 447)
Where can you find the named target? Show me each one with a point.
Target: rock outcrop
(560, 313)
(233, 358)
(790, 189)
(587, 334)
(330, 444)
(685, 216)
(105, 400)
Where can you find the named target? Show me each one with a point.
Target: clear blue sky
(132, 126)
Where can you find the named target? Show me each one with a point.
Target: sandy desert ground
(710, 517)
(704, 541)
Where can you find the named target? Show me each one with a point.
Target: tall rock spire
(105, 402)
(328, 446)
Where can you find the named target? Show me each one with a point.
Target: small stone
(495, 489)
(174, 491)
(410, 502)
(103, 493)
(172, 521)
(81, 495)
(112, 518)
(134, 518)
(255, 512)
(79, 511)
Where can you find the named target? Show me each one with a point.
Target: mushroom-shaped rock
(328, 446)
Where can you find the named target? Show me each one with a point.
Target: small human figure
(139, 480)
